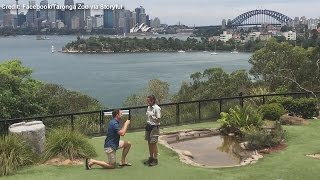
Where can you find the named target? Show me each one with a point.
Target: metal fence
(94, 122)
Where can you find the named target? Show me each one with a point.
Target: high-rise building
(21, 19)
(68, 13)
(313, 23)
(53, 15)
(89, 24)
(133, 19)
(156, 23)
(44, 11)
(148, 21)
(108, 18)
(229, 22)
(139, 10)
(31, 14)
(8, 20)
(80, 14)
(296, 21)
(142, 18)
(224, 24)
(303, 20)
(98, 22)
(75, 22)
(1, 17)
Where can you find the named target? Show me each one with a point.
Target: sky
(205, 12)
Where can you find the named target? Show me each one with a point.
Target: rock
(231, 134)
(244, 145)
(188, 154)
(32, 132)
(292, 120)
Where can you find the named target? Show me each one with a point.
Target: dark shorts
(152, 134)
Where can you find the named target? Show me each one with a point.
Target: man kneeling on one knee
(113, 143)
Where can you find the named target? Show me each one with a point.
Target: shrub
(238, 118)
(14, 154)
(305, 107)
(67, 144)
(258, 138)
(272, 111)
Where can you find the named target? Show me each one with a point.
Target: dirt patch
(274, 149)
(64, 162)
(292, 120)
(316, 156)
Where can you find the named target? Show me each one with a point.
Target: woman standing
(152, 129)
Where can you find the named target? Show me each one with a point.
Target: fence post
(72, 123)
(101, 121)
(199, 110)
(307, 95)
(263, 100)
(220, 105)
(241, 99)
(130, 114)
(177, 114)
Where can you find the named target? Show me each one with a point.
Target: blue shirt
(113, 138)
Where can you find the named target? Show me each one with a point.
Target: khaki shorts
(111, 153)
(153, 135)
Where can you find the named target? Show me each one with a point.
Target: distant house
(225, 36)
(290, 35)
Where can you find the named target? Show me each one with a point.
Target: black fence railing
(94, 122)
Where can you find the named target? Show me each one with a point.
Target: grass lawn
(289, 164)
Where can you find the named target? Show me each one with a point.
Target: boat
(39, 37)
(234, 52)
(205, 51)
(181, 51)
(52, 49)
(215, 51)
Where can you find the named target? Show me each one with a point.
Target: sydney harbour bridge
(260, 17)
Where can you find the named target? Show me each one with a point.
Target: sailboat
(235, 51)
(52, 49)
(215, 51)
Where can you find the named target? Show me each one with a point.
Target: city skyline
(205, 12)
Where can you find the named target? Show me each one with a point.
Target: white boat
(52, 49)
(215, 51)
(205, 51)
(181, 51)
(234, 52)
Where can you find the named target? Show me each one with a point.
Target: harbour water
(111, 77)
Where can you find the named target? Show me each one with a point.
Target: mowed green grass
(289, 164)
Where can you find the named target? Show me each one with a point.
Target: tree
(156, 87)
(18, 91)
(283, 65)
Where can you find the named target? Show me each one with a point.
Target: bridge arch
(239, 20)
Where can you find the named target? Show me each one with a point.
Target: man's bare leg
(126, 147)
(101, 163)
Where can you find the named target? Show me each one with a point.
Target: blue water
(111, 77)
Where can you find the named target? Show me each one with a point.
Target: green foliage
(283, 65)
(68, 144)
(271, 111)
(14, 154)
(305, 107)
(239, 118)
(160, 89)
(258, 138)
(214, 83)
(19, 93)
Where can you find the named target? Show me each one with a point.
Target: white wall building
(291, 36)
(253, 36)
(225, 36)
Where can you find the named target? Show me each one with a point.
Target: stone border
(186, 156)
(315, 156)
